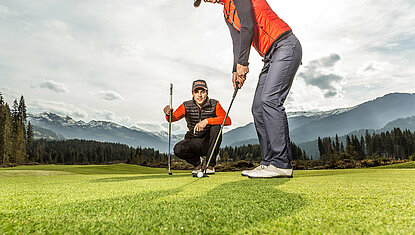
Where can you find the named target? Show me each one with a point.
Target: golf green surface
(128, 199)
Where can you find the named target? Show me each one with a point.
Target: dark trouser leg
(269, 114)
(209, 142)
(189, 150)
(258, 119)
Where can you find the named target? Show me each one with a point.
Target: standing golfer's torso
(194, 114)
(268, 27)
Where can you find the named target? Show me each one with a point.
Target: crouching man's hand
(167, 109)
(200, 126)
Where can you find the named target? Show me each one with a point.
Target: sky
(115, 60)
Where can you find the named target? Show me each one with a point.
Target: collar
(207, 102)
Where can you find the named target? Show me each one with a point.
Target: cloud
(109, 95)
(372, 68)
(320, 73)
(177, 128)
(61, 108)
(54, 86)
(111, 116)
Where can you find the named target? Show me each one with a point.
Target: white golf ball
(199, 174)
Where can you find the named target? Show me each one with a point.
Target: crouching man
(204, 116)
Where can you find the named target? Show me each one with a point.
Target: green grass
(124, 199)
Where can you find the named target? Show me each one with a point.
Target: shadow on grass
(227, 208)
(320, 173)
(140, 177)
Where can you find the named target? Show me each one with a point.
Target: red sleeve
(177, 114)
(220, 115)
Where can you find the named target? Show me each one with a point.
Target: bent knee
(178, 149)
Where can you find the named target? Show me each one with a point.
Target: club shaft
(221, 127)
(171, 113)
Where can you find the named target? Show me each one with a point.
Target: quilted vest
(194, 114)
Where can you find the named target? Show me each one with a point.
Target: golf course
(130, 199)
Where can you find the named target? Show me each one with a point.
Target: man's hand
(242, 70)
(167, 109)
(238, 79)
(200, 126)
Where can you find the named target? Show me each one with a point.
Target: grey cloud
(330, 60)
(109, 95)
(54, 86)
(108, 115)
(320, 73)
(330, 94)
(369, 68)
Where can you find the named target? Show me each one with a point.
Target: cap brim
(196, 3)
(204, 88)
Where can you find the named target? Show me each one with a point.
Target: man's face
(200, 95)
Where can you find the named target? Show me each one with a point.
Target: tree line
(15, 135)
(396, 144)
(75, 152)
(18, 146)
(252, 153)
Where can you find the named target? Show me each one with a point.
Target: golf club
(221, 127)
(171, 101)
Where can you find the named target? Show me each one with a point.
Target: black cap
(196, 3)
(199, 84)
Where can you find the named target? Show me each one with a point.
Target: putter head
(170, 173)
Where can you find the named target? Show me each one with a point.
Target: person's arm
(220, 116)
(246, 34)
(178, 114)
(235, 42)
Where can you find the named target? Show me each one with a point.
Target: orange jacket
(267, 25)
(180, 112)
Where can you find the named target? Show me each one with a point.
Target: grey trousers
(270, 119)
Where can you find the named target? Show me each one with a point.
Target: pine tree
(2, 130)
(29, 138)
(22, 110)
(337, 145)
(321, 148)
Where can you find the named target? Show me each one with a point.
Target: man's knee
(273, 102)
(178, 149)
(215, 129)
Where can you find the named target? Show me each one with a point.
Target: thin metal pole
(220, 132)
(171, 113)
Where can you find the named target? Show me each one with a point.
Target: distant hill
(384, 113)
(103, 131)
(308, 126)
(370, 115)
(311, 147)
(42, 133)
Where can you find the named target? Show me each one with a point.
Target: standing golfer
(254, 22)
(204, 118)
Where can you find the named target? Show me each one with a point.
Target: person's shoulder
(187, 103)
(213, 101)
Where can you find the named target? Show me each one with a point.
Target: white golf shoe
(197, 169)
(246, 172)
(210, 170)
(271, 172)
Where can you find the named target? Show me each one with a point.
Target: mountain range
(305, 127)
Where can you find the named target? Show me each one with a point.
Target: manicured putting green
(133, 199)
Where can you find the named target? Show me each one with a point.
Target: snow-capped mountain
(98, 130)
(307, 126)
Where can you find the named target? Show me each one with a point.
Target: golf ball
(200, 174)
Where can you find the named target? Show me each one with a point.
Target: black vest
(194, 115)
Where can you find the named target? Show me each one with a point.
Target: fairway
(129, 199)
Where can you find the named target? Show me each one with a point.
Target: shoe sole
(280, 176)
